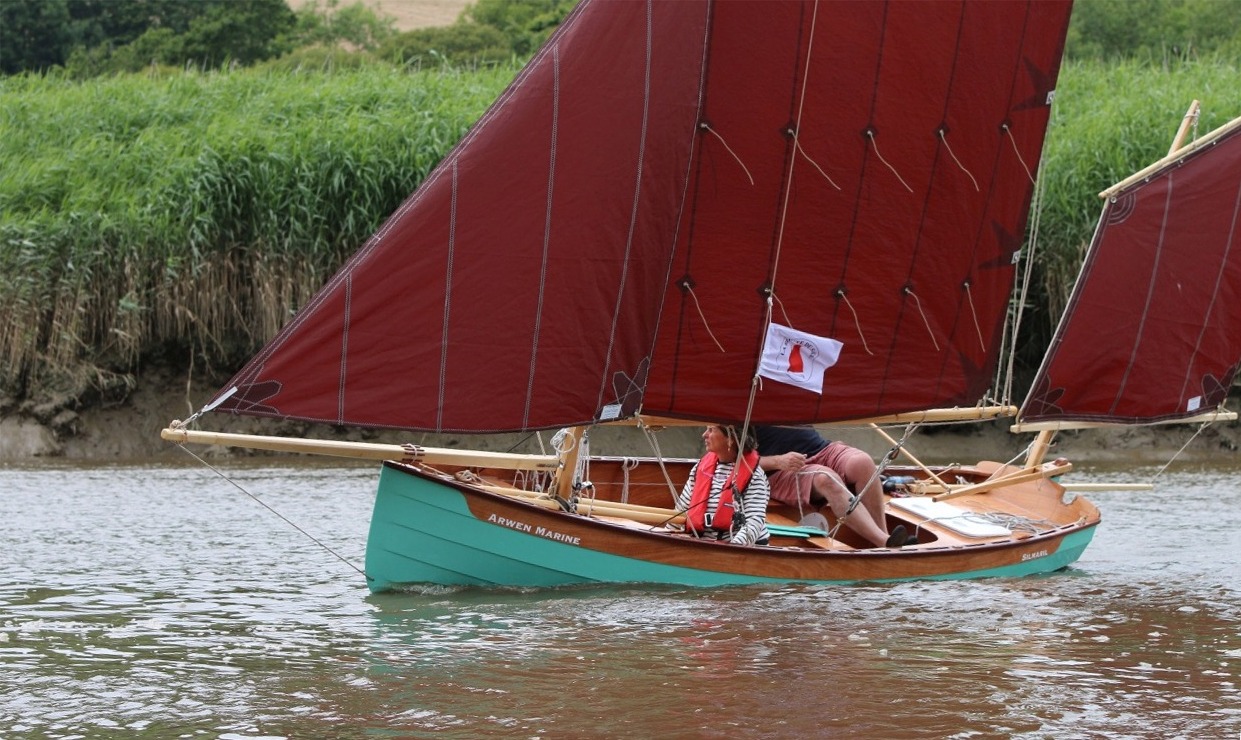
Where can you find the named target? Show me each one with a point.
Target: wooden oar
(1107, 487)
(644, 514)
(367, 450)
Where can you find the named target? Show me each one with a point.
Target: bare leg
(861, 473)
(830, 487)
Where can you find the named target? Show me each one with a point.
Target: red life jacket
(738, 479)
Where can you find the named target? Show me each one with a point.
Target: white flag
(797, 358)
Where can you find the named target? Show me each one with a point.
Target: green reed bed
(194, 211)
(1109, 121)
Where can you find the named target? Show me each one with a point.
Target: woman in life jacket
(725, 497)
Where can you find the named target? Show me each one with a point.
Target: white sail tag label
(1194, 404)
(610, 412)
(797, 358)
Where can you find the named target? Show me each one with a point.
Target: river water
(160, 602)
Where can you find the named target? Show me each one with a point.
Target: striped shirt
(747, 529)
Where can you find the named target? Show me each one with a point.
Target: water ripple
(158, 602)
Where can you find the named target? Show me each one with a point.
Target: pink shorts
(794, 488)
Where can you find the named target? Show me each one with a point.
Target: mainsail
(662, 181)
(1151, 331)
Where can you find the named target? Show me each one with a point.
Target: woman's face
(716, 440)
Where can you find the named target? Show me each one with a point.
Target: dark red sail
(1152, 331)
(607, 236)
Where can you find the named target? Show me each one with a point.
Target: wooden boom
(367, 450)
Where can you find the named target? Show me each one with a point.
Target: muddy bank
(127, 429)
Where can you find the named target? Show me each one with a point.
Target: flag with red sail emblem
(797, 358)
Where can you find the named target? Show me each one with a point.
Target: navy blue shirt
(779, 440)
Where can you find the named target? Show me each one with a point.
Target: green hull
(423, 532)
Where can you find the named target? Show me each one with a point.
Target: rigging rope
(1011, 522)
(659, 457)
(1201, 428)
(282, 517)
(627, 464)
(1017, 306)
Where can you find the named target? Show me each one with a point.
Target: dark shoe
(898, 538)
(913, 540)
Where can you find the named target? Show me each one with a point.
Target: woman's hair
(733, 434)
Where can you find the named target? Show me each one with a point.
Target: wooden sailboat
(614, 239)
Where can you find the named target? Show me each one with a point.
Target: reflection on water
(157, 602)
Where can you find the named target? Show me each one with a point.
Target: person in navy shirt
(807, 471)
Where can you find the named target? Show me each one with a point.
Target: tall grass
(1109, 121)
(193, 212)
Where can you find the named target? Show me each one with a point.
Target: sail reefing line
(820, 94)
(344, 353)
(970, 175)
(802, 151)
(870, 135)
(636, 202)
(1158, 258)
(909, 291)
(969, 297)
(547, 227)
(1008, 130)
(1219, 279)
(448, 263)
(857, 322)
(707, 127)
(688, 288)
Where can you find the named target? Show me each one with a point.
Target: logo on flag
(797, 358)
